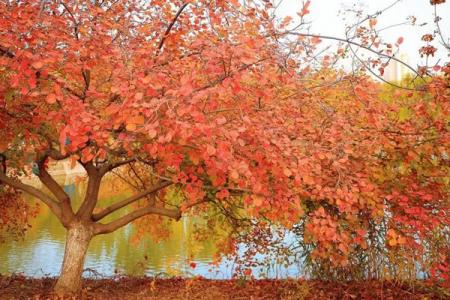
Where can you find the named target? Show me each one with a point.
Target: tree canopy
(220, 101)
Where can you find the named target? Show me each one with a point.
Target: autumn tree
(218, 100)
(191, 91)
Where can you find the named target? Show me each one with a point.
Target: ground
(19, 287)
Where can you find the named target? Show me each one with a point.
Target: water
(41, 251)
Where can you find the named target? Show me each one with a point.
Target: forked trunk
(77, 243)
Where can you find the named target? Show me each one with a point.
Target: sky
(326, 19)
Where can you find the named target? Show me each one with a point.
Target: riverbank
(19, 287)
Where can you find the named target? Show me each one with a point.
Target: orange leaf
(234, 175)
(139, 96)
(391, 232)
(316, 40)
(51, 98)
(152, 133)
(139, 120)
(37, 64)
(305, 9)
(287, 172)
(308, 179)
(257, 200)
(131, 127)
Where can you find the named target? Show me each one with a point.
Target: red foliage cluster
(207, 98)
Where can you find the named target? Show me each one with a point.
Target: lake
(41, 251)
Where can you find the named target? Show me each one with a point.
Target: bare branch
(437, 19)
(125, 202)
(109, 167)
(112, 226)
(376, 75)
(74, 20)
(204, 200)
(161, 43)
(348, 41)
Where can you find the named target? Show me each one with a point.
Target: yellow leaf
(404, 114)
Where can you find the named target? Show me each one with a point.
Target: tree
(190, 91)
(215, 99)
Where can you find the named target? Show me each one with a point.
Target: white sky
(326, 19)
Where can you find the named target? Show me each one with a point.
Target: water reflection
(40, 253)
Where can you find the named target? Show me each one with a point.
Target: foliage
(384, 212)
(221, 104)
(14, 214)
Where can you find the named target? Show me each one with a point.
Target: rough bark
(70, 280)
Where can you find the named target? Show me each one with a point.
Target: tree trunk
(70, 278)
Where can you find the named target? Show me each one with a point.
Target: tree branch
(109, 167)
(6, 52)
(112, 226)
(91, 198)
(74, 20)
(161, 43)
(348, 41)
(125, 202)
(52, 204)
(56, 155)
(50, 183)
(3, 163)
(67, 213)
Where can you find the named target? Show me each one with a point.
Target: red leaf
(305, 9)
